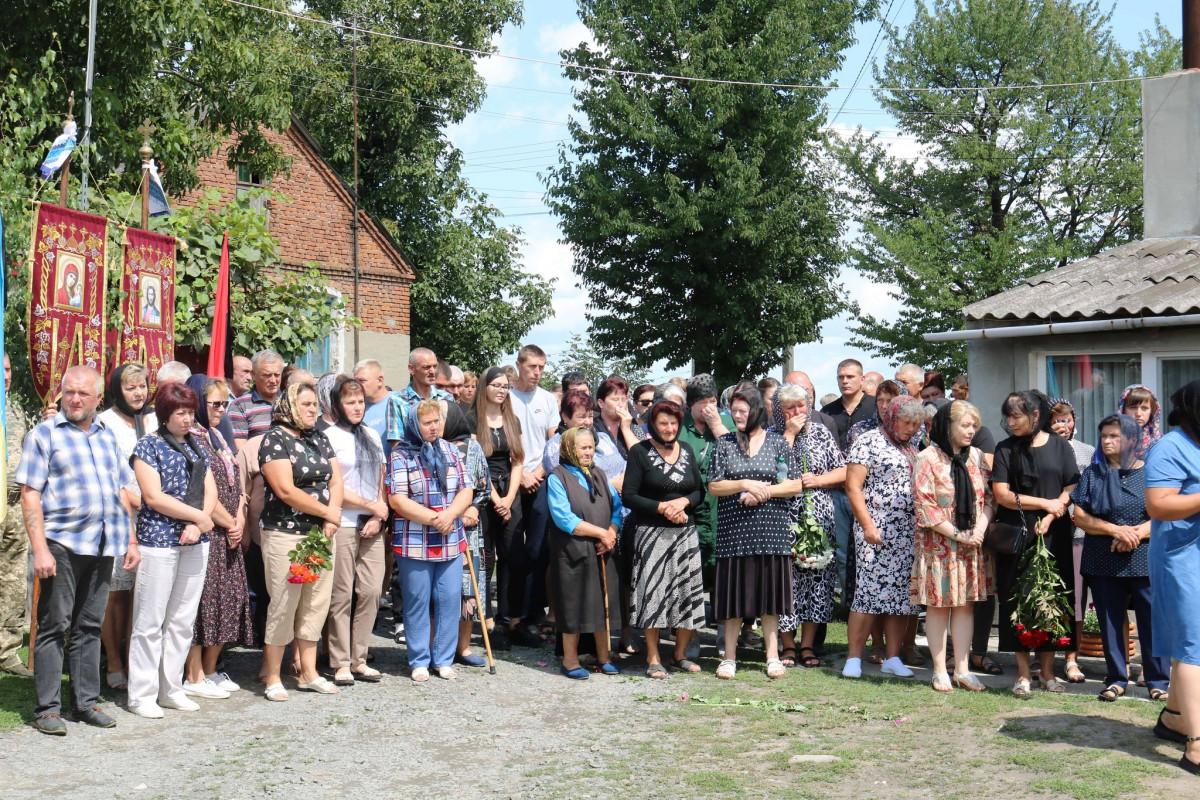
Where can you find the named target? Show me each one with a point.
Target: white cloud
(566, 36)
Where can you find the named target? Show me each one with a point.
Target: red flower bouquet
(1043, 614)
(309, 558)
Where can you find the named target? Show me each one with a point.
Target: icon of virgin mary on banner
(148, 280)
(66, 286)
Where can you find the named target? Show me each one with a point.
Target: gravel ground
(478, 736)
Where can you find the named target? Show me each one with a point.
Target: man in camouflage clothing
(14, 545)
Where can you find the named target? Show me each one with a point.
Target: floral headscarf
(287, 409)
(887, 422)
(777, 410)
(569, 454)
(428, 454)
(1152, 432)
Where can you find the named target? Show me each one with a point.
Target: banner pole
(89, 82)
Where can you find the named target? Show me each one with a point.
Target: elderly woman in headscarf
(224, 615)
(1110, 506)
(429, 490)
(585, 516)
(1140, 403)
(822, 468)
(457, 431)
(1173, 501)
(952, 498)
(885, 392)
(302, 490)
(129, 418)
(1032, 478)
(358, 547)
(879, 488)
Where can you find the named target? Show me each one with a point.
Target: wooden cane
(487, 645)
(604, 588)
(37, 595)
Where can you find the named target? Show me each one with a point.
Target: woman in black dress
(1034, 470)
(663, 485)
(498, 432)
(754, 473)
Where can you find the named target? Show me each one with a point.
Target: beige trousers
(357, 572)
(297, 610)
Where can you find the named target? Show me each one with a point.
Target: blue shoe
(577, 674)
(610, 669)
(470, 660)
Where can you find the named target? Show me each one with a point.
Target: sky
(515, 136)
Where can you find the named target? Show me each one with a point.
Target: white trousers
(166, 595)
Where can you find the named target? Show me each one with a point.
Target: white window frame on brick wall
(336, 339)
(242, 187)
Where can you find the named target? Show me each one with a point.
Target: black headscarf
(1023, 470)
(1185, 410)
(964, 490)
(1107, 495)
(368, 457)
(456, 429)
(668, 408)
(121, 404)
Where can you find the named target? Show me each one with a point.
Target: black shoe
(498, 639)
(1163, 732)
(1189, 765)
(527, 636)
(51, 724)
(94, 717)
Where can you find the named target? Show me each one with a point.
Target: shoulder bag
(1005, 537)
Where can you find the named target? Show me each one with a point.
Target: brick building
(316, 226)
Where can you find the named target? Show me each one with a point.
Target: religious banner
(148, 281)
(66, 288)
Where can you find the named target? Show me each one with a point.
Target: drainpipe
(1060, 328)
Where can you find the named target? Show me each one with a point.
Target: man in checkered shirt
(79, 519)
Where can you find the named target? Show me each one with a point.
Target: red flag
(220, 352)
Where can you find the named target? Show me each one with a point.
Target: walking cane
(37, 595)
(604, 588)
(487, 645)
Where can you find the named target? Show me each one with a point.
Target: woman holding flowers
(952, 498)
(663, 487)
(814, 569)
(1110, 507)
(429, 491)
(1033, 475)
(302, 509)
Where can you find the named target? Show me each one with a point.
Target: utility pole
(354, 221)
(1191, 34)
(89, 82)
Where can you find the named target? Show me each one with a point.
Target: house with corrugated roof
(1127, 315)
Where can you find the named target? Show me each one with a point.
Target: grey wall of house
(1171, 167)
(1000, 366)
(389, 349)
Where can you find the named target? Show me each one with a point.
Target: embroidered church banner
(67, 285)
(148, 315)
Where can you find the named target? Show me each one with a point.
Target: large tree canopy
(701, 219)
(1012, 182)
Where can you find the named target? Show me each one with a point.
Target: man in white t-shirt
(525, 559)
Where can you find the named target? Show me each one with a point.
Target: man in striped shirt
(250, 414)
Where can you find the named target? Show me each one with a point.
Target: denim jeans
(423, 582)
(74, 598)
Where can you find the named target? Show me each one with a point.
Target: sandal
(118, 681)
(912, 656)
(788, 661)
(965, 680)
(878, 654)
(1074, 673)
(320, 686)
(685, 665)
(982, 662)
(446, 673)
(775, 668)
(1158, 694)
(749, 638)
(276, 693)
(809, 661)
(343, 677)
(368, 674)
(1185, 762)
(941, 682)
(1111, 693)
(656, 672)
(727, 669)
(1163, 732)
(1021, 688)
(1051, 685)
(420, 675)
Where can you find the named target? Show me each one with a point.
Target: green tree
(699, 213)
(471, 302)
(580, 356)
(1012, 182)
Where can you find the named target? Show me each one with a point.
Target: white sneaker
(894, 666)
(221, 679)
(205, 688)
(178, 702)
(147, 710)
(853, 668)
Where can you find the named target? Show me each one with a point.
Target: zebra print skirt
(668, 584)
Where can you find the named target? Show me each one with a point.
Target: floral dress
(812, 589)
(224, 616)
(884, 571)
(946, 573)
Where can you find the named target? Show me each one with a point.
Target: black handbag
(1005, 537)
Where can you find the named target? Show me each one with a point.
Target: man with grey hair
(79, 518)
(173, 372)
(446, 379)
(911, 376)
(871, 381)
(250, 414)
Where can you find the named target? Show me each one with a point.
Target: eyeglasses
(218, 404)
(499, 387)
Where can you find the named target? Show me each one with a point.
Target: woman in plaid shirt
(429, 491)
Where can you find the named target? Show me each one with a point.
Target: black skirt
(753, 586)
(577, 586)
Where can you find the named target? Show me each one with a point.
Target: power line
(685, 78)
(867, 60)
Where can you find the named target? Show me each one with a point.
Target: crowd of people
(277, 509)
